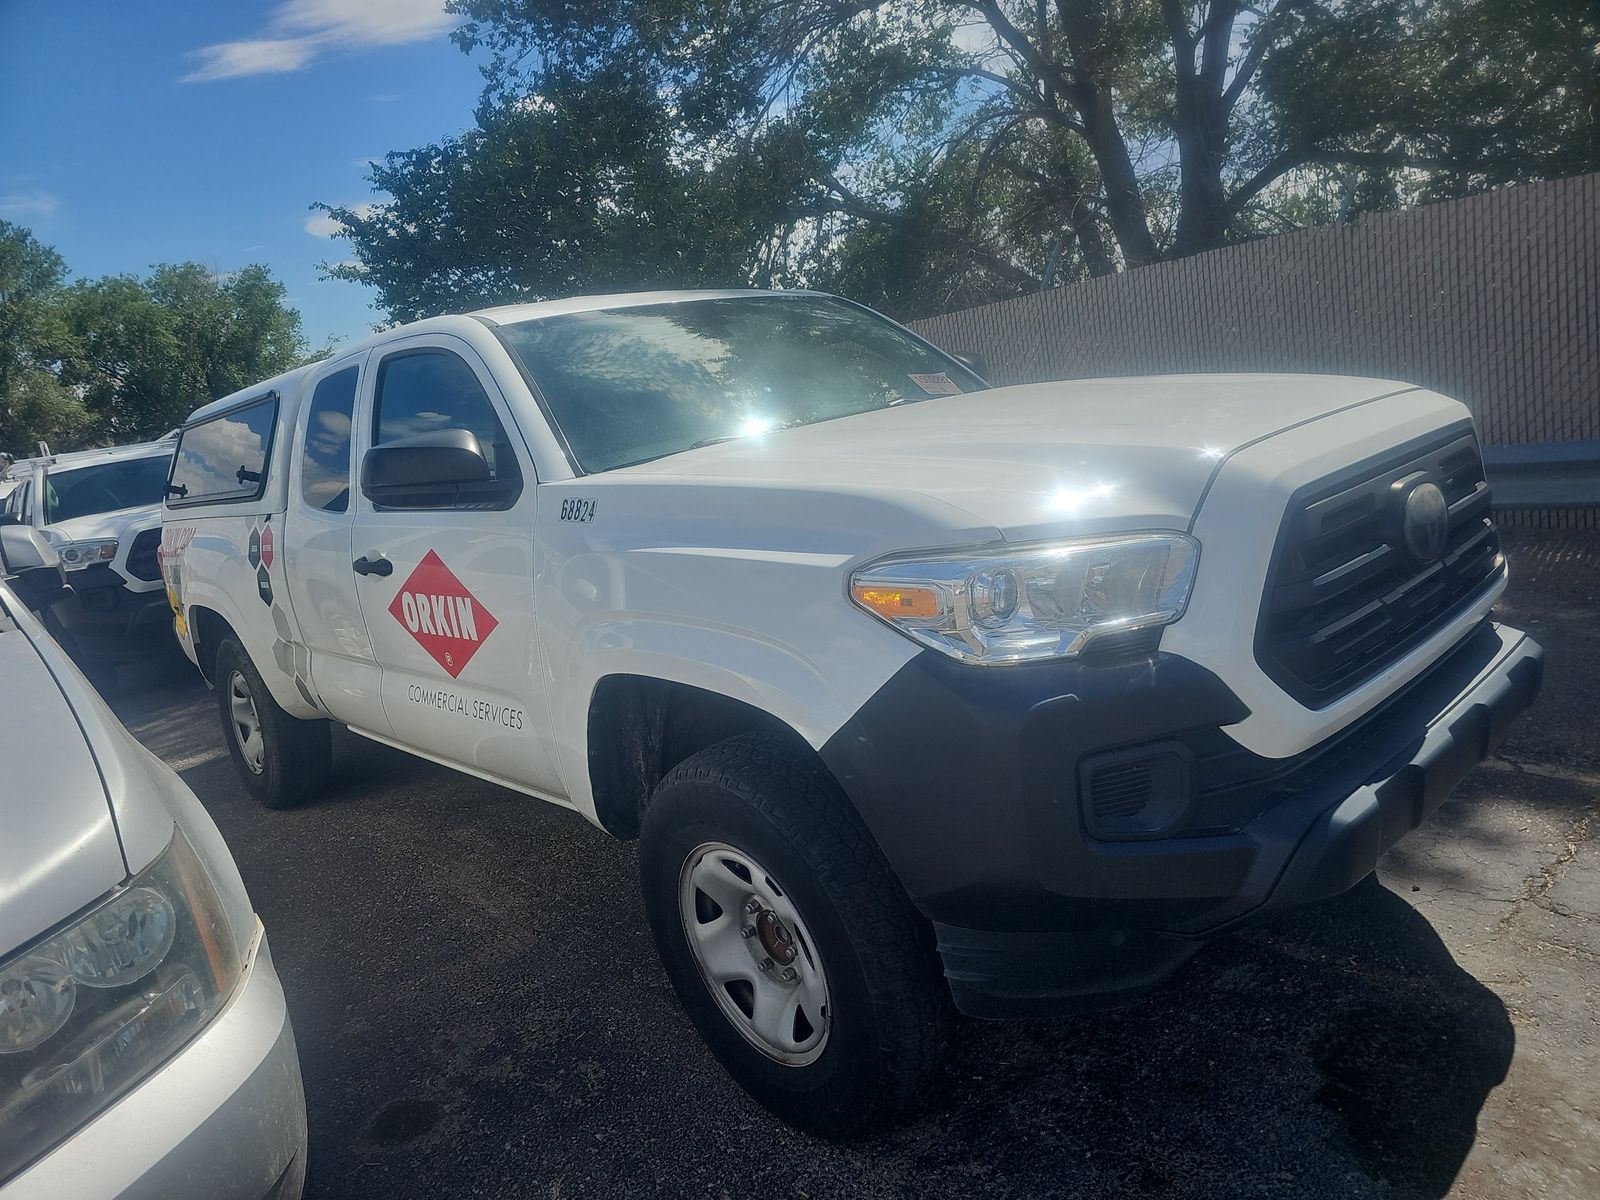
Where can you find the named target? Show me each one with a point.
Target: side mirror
(974, 362)
(32, 566)
(429, 470)
(10, 519)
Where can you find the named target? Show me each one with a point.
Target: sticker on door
(446, 620)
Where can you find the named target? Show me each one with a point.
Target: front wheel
(791, 945)
(282, 760)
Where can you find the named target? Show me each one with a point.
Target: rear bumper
(1061, 921)
(223, 1120)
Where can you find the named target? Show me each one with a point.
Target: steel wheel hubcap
(754, 953)
(246, 723)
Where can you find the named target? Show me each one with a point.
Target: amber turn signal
(896, 602)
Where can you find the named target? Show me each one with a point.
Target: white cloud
(33, 205)
(324, 226)
(299, 31)
(231, 60)
(976, 37)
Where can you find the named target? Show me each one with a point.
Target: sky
(134, 132)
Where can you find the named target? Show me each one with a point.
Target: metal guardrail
(1544, 474)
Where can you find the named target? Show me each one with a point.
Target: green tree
(152, 350)
(930, 153)
(35, 339)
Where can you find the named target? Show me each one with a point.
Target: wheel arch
(210, 626)
(640, 727)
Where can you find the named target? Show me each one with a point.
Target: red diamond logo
(447, 620)
(266, 546)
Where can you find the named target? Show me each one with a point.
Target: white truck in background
(920, 695)
(101, 510)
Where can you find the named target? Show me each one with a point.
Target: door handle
(373, 566)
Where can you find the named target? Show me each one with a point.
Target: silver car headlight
(1026, 603)
(92, 1009)
(77, 555)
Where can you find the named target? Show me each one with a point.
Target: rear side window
(325, 461)
(423, 391)
(224, 458)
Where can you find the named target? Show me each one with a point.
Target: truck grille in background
(1344, 597)
(142, 563)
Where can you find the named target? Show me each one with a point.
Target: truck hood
(122, 525)
(1040, 460)
(60, 850)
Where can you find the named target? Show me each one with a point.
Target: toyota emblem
(1425, 523)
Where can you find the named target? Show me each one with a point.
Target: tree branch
(1260, 43)
(853, 205)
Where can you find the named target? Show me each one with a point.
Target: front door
(342, 669)
(448, 592)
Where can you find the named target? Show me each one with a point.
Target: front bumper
(111, 622)
(980, 814)
(225, 1119)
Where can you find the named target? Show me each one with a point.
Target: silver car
(145, 1047)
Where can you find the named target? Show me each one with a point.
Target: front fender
(777, 678)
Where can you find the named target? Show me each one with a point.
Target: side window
(224, 458)
(325, 461)
(421, 391)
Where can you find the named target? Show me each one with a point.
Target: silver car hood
(59, 851)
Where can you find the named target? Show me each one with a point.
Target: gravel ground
(480, 1012)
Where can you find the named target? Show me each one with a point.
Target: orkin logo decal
(448, 621)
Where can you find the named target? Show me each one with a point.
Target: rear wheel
(282, 760)
(791, 945)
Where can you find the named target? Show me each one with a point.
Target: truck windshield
(626, 385)
(104, 487)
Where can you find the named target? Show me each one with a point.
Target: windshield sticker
(447, 620)
(937, 384)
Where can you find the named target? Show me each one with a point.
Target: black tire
(296, 755)
(889, 1007)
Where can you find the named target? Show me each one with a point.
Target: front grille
(143, 562)
(1345, 596)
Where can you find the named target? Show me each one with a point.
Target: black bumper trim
(1343, 845)
(1033, 916)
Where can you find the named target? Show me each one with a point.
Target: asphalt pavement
(480, 1012)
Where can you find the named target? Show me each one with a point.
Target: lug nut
(752, 905)
(764, 965)
(789, 975)
(749, 931)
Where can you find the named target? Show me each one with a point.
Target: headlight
(77, 555)
(87, 1013)
(1022, 604)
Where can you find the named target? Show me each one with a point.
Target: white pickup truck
(920, 695)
